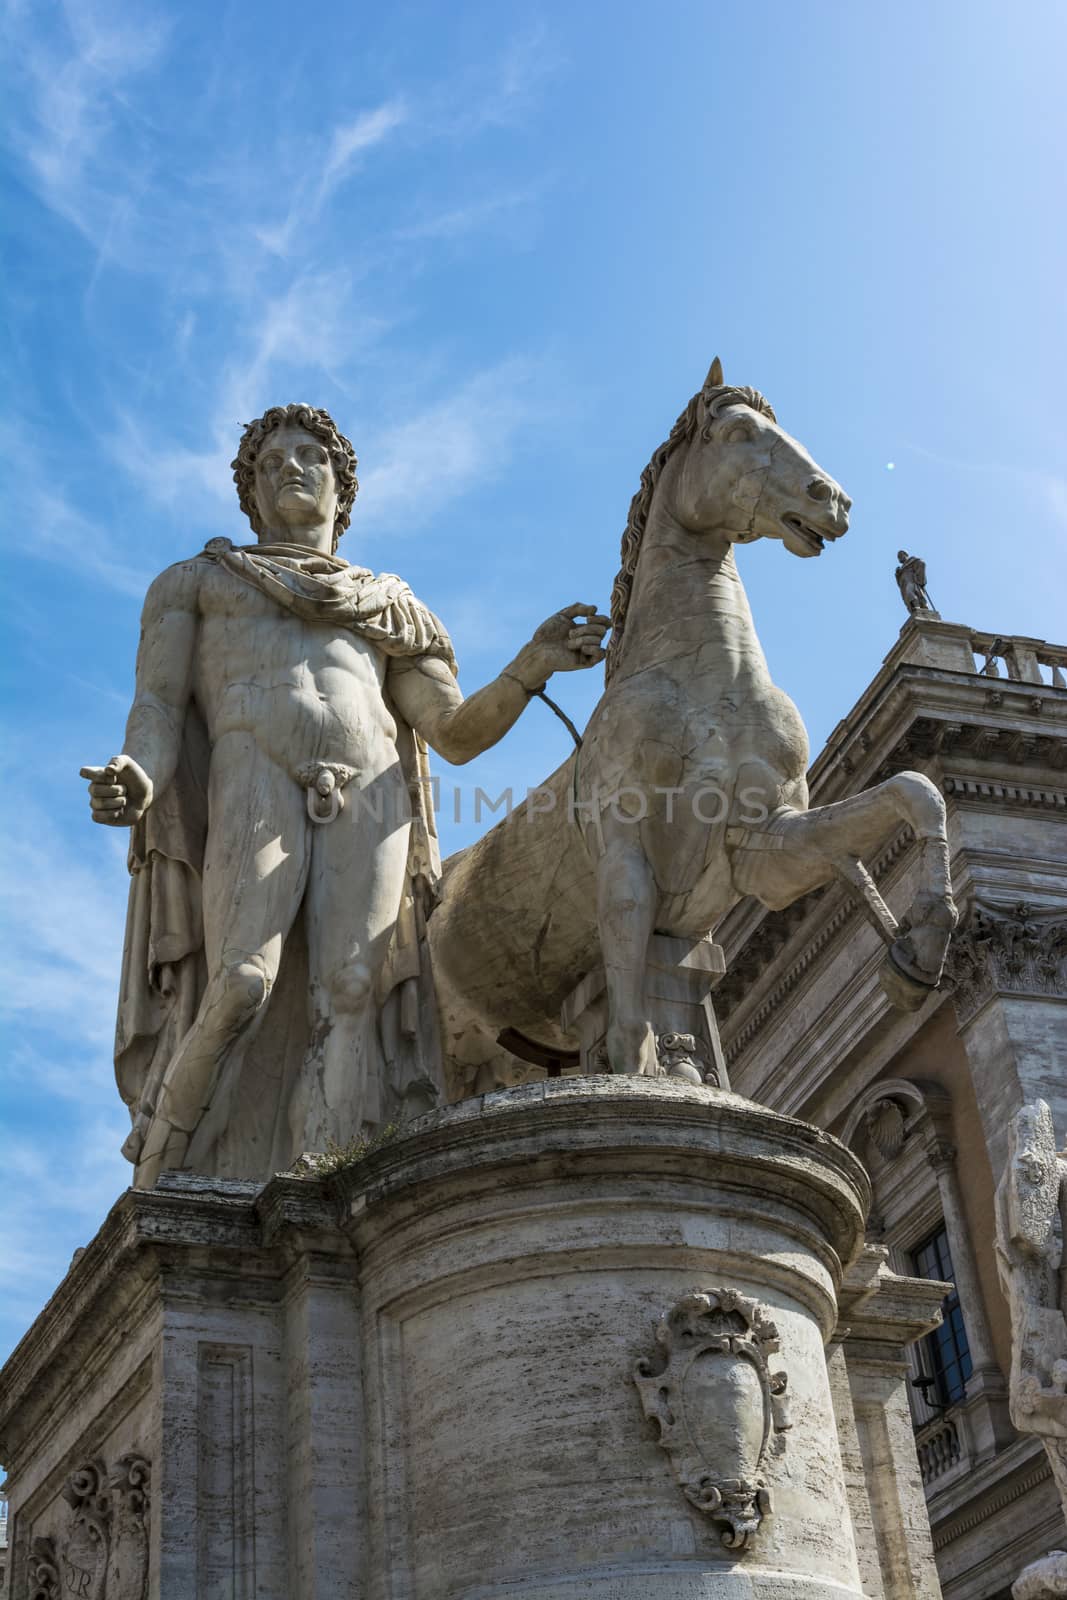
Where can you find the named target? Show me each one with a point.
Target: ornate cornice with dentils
(917, 711)
(923, 740)
(951, 1531)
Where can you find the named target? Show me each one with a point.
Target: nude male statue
(274, 765)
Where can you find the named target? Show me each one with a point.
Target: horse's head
(745, 477)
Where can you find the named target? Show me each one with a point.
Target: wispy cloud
(313, 325)
(57, 1195)
(459, 220)
(1049, 489)
(68, 104)
(38, 502)
(348, 141)
(64, 966)
(423, 463)
(502, 94)
(351, 139)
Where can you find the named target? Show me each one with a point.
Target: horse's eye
(737, 433)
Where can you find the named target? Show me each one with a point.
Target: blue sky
(501, 244)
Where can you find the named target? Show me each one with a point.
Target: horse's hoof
(686, 1073)
(905, 990)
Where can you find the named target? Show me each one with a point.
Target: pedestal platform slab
(564, 1340)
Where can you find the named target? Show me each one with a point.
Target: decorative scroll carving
(1015, 949)
(716, 1404)
(103, 1554)
(44, 1570)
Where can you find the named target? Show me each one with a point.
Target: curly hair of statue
(321, 426)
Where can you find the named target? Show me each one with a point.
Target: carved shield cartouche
(103, 1554)
(716, 1402)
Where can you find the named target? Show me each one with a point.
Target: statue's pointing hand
(119, 793)
(566, 642)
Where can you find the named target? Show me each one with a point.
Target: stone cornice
(932, 666)
(636, 1126)
(881, 1312)
(911, 716)
(239, 1225)
(947, 1522)
(998, 795)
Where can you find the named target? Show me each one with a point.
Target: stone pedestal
(680, 975)
(563, 1340)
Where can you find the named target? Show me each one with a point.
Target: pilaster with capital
(1007, 969)
(941, 1154)
(988, 1424)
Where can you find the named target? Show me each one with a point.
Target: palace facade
(925, 1099)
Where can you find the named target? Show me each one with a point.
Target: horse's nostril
(846, 504)
(819, 489)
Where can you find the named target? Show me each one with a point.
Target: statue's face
(295, 485)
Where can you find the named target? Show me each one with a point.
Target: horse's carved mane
(714, 400)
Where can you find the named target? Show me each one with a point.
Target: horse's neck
(688, 597)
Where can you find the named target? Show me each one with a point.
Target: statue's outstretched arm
(121, 792)
(428, 697)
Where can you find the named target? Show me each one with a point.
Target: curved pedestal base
(524, 1260)
(559, 1343)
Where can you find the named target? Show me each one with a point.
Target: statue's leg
(356, 882)
(255, 866)
(626, 911)
(800, 850)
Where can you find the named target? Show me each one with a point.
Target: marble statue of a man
(911, 581)
(275, 994)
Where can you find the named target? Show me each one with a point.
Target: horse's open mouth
(811, 538)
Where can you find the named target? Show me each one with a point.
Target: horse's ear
(714, 379)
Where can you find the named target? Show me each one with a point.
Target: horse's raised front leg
(799, 850)
(626, 911)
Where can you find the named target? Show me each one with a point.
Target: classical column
(986, 1390)
(1007, 966)
(881, 1314)
(942, 1157)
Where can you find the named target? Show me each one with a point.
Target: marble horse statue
(689, 789)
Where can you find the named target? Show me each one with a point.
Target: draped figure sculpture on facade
(1031, 1220)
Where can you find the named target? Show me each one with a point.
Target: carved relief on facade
(103, 1553)
(886, 1127)
(1017, 949)
(717, 1405)
(44, 1571)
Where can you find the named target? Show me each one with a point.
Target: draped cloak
(164, 971)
